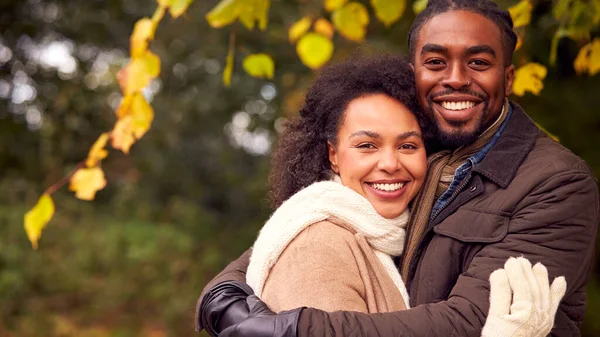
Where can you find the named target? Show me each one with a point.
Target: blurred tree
(190, 196)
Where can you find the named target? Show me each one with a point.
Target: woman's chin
(391, 213)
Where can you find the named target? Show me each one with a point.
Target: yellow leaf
(324, 27)
(37, 218)
(519, 43)
(521, 13)
(135, 119)
(143, 32)
(228, 71)
(122, 134)
(388, 11)
(529, 77)
(351, 21)
(314, 50)
(331, 5)
(223, 14)
(419, 6)
(247, 11)
(142, 114)
(86, 182)
(97, 152)
(177, 7)
(595, 58)
(139, 72)
(299, 28)
(259, 65)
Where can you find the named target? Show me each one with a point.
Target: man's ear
(333, 158)
(412, 67)
(509, 76)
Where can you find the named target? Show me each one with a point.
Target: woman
(343, 177)
(330, 245)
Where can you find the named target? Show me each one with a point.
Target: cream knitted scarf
(317, 202)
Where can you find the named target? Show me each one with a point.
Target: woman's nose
(389, 162)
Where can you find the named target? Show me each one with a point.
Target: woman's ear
(333, 158)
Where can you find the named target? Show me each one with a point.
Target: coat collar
(502, 161)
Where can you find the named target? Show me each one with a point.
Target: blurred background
(190, 197)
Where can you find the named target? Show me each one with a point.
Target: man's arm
(556, 225)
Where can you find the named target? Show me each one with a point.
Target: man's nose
(456, 77)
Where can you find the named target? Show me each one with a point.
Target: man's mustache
(465, 91)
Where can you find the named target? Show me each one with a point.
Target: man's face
(460, 75)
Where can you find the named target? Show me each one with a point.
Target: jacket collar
(502, 161)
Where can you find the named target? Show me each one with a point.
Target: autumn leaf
(259, 65)
(37, 218)
(86, 182)
(588, 58)
(324, 27)
(139, 72)
(332, 5)
(351, 21)
(299, 28)
(419, 6)
(228, 71)
(143, 32)
(247, 11)
(521, 13)
(122, 135)
(314, 50)
(388, 11)
(176, 7)
(529, 77)
(97, 152)
(137, 116)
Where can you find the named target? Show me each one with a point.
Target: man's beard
(455, 139)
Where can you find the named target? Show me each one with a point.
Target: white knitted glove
(522, 303)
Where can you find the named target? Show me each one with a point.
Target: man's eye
(434, 62)
(478, 64)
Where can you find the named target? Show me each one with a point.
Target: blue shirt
(462, 170)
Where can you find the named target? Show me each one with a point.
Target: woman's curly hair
(301, 157)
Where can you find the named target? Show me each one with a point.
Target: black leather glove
(262, 322)
(223, 305)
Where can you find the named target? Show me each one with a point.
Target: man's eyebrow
(433, 48)
(408, 134)
(484, 48)
(365, 133)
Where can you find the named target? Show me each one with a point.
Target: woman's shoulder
(325, 235)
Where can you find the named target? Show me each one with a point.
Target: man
(497, 187)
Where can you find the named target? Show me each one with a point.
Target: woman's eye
(365, 146)
(408, 147)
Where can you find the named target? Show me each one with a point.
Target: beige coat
(330, 267)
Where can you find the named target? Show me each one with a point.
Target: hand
(222, 306)
(262, 322)
(522, 303)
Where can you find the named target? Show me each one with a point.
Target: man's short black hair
(486, 8)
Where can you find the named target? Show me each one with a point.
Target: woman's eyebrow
(408, 134)
(365, 133)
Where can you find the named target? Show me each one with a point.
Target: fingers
(557, 291)
(256, 306)
(500, 294)
(534, 288)
(518, 281)
(541, 276)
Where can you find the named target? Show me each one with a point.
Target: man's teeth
(388, 187)
(458, 105)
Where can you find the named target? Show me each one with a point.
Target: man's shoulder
(550, 157)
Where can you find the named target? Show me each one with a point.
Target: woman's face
(380, 153)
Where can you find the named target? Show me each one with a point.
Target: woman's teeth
(388, 187)
(458, 105)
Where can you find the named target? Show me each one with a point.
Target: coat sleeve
(555, 224)
(235, 271)
(317, 269)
